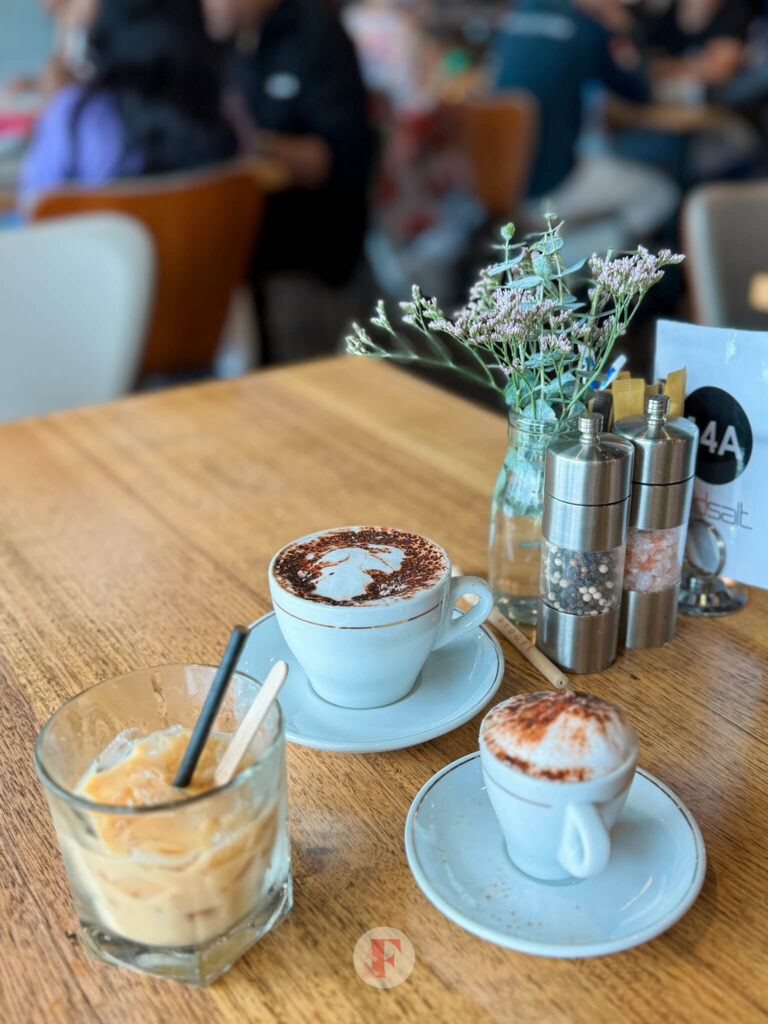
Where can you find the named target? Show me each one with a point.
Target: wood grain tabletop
(138, 533)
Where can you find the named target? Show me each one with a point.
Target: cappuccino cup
(361, 608)
(557, 768)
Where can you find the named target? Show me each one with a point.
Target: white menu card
(727, 397)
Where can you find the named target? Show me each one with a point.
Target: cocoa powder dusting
(525, 721)
(553, 774)
(299, 567)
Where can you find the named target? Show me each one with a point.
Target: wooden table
(666, 118)
(758, 292)
(136, 533)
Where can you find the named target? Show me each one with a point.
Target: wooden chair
(204, 225)
(499, 135)
(724, 229)
(7, 200)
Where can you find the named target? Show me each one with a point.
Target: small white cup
(366, 656)
(553, 830)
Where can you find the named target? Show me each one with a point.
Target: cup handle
(452, 628)
(585, 848)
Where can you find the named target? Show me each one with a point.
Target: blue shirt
(87, 150)
(549, 49)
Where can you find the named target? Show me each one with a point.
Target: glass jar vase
(514, 547)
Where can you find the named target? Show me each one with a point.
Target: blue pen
(615, 367)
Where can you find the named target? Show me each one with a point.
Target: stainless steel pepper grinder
(665, 463)
(587, 483)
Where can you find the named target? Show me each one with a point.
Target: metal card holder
(704, 592)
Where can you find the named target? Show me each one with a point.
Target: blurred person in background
(393, 54)
(297, 96)
(696, 49)
(67, 63)
(553, 49)
(424, 215)
(701, 41)
(747, 91)
(151, 104)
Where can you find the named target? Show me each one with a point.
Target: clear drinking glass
(180, 890)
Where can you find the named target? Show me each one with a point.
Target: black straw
(211, 707)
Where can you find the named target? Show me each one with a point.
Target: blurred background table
(675, 118)
(137, 533)
(758, 292)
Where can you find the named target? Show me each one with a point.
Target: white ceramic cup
(369, 655)
(556, 831)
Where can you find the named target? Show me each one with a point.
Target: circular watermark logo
(383, 957)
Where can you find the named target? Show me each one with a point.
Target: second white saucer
(456, 852)
(457, 681)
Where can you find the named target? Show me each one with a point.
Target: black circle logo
(725, 436)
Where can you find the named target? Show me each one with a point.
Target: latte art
(360, 566)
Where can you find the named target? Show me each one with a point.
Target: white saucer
(456, 852)
(457, 681)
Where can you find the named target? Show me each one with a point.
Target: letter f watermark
(383, 957)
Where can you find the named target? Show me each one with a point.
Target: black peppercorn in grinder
(587, 484)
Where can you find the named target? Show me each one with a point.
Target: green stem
(410, 357)
(531, 393)
(560, 383)
(621, 321)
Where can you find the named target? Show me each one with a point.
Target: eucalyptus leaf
(544, 410)
(566, 385)
(542, 266)
(537, 358)
(551, 245)
(574, 267)
(530, 281)
(559, 358)
(500, 268)
(510, 392)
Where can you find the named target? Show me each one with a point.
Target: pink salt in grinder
(665, 461)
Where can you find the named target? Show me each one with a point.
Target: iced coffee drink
(174, 878)
(177, 882)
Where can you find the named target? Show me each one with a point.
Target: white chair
(75, 298)
(725, 237)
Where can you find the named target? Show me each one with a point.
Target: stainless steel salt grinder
(665, 462)
(587, 483)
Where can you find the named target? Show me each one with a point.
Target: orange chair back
(499, 135)
(204, 225)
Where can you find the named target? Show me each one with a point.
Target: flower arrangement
(523, 332)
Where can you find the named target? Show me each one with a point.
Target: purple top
(91, 153)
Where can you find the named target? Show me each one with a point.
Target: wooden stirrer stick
(520, 642)
(257, 712)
